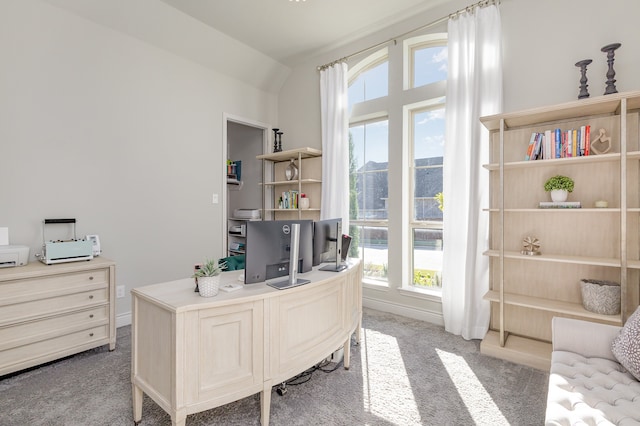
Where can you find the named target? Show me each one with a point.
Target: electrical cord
(306, 375)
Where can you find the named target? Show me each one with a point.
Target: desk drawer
(53, 285)
(34, 331)
(31, 310)
(46, 350)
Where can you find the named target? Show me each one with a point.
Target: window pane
(427, 258)
(369, 164)
(428, 149)
(374, 252)
(429, 65)
(370, 84)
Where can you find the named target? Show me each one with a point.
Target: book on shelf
(288, 200)
(559, 144)
(560, 205)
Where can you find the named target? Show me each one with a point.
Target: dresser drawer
(53, 285)
(46, 350)
(31, 310)
(32, 331)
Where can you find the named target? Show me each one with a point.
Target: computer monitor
(327, 244)
(268, 247)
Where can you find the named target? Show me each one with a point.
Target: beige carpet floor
(404, 372)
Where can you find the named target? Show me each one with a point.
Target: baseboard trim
(123, 319)
(403, 310)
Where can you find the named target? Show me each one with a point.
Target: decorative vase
(303, 203)
(559, 195)
(208, 286)
(291, 171)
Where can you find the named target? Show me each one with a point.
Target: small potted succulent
(208, 277)
(559, 187)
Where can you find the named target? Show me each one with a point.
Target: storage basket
(601, 297)
(208, 286)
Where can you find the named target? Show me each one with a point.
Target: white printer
(13, 256)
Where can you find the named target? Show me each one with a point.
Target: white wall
(123, 136)
(542, 40)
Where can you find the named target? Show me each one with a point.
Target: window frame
(373, 223)
(410, 45)
(404, 99)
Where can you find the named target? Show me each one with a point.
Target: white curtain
(474, 89)
(335, 144)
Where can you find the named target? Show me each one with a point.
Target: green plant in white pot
(559, 186)
(208, 277)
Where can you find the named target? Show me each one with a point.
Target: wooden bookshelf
(309, 181)
(526, 292)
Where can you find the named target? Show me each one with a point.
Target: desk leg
(347, 352)
(265, 403)
(179, 418)
(136, 394)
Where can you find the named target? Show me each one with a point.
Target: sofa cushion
(591, 391)
(626, 346)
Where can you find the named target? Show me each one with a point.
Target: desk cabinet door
(228, 353)
(307, 325)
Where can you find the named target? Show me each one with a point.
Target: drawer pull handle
(90, 278)
(91, 296)
(91, 316)
(90, 334)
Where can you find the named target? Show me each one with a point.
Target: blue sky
(430, 66)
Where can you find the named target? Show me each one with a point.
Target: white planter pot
(303, 203)
(208, 286)
(559, 195)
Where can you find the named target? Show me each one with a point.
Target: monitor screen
(268, 248)
(327, 241)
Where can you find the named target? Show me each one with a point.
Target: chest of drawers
(52, 311)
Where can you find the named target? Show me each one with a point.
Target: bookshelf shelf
(579, 260)
(274, 183)
(291, 182)
(294, 210)
(556, 162)
(537, 210)
(554, 306)
(526, 292)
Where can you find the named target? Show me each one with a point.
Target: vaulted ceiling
(288, 31)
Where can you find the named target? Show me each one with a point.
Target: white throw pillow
(626, 346)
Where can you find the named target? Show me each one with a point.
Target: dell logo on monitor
(286, 229)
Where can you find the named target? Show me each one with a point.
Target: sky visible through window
(429, 134)
(430, 65)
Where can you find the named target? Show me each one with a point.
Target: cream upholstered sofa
(587, 385)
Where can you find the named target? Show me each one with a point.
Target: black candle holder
(609, 49)
(584, 93)
(275, 140)
(280, 141)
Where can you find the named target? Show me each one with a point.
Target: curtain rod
(470, 8)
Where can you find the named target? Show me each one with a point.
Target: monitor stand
(281, 285)
(334, 268)
(292, 280)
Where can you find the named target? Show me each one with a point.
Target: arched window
(410, 122)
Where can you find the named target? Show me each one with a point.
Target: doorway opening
(243, 141)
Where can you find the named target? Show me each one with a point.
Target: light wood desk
(191, 353)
